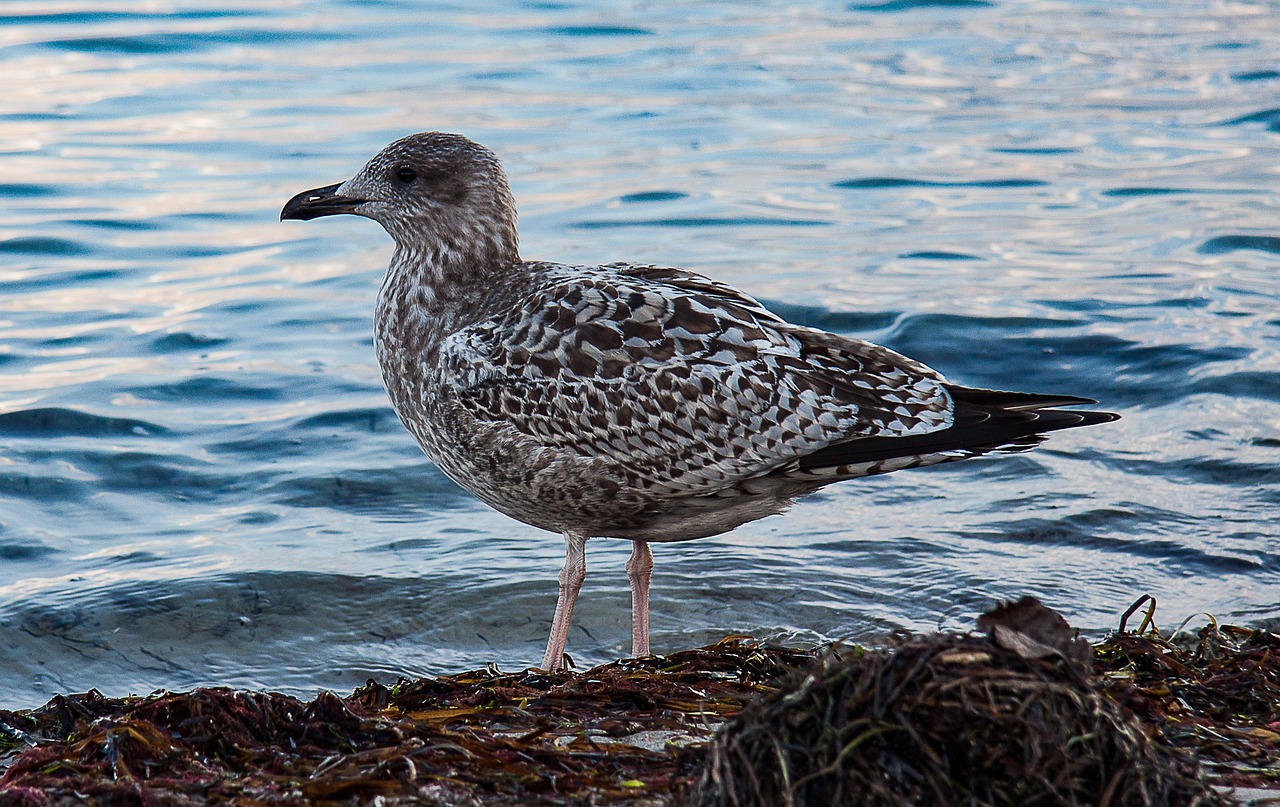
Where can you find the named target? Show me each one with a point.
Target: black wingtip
(1099, 417)
(1013, 401)
(1052, 420)
(985, 421)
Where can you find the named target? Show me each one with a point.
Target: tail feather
(1002, 399)
(985, 420)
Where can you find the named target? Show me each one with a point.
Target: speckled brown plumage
(629, 401)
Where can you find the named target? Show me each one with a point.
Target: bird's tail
(985, 420)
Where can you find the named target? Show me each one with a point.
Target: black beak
(324, 201)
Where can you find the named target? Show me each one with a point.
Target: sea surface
(201, 480)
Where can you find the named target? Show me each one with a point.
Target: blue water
(201, 480)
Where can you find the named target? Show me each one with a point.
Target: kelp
(656, 730)
(618, 733)
(1215, 692)
(1016, 719)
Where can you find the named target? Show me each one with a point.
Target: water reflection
(201, 481)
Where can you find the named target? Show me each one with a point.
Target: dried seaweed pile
(1018, 719)
(1217, 696)
(609, 735)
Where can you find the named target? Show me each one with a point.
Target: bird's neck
(431, 292)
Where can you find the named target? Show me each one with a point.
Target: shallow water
(201, 480)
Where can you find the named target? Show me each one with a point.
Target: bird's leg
(571, 577)
(639, 569)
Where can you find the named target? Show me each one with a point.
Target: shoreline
(635, 731)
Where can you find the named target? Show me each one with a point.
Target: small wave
(37, 245)
(1262, 386)
(598, 30)
(57, 422)
(399, 492)
(48, 280)
(25, 190)
(209, 388)
(978, 326)
(699, 221)
(1146, 191)
(1149, 375)
(1256, 75)
(157, 43)
(182, 340)
(172, 476)
(135, 557)
(938, 256)
(909, 5)
(1241, 475)
(1271, 117)
(653, 196)
(1035, 150)
(88, 17)
(852, 322)
(863, 183)
(406, 545)
(45, 489)
(1091, 304)
(1113, 530)
(20, 552)
(124, 45)
(322, 433)
(130, 225)
(365, 420)
(1230, 243)
(1212, 471)
(999, 352)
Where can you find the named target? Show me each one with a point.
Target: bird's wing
(688, 384)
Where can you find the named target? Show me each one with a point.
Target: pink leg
(571, 577)
(639, 569)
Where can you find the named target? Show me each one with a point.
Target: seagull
(628, 400)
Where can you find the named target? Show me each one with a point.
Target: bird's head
(434, 192)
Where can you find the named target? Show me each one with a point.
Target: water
(201, 480)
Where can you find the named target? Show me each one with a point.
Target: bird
(627, 400)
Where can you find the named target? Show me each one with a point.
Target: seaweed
(615, 734)
(1215, 692)
(1013, 718)
(1027, 714)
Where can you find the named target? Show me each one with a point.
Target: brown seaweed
(945, 720)
(613, 734)
(1217, 694)
(639, 731)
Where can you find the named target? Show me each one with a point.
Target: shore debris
(640, 731)
(1215, 693)
(1013, 718)
(626, 732)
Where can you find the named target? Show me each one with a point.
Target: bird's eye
(406, 175)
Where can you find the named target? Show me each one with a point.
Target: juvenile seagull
(629, 401)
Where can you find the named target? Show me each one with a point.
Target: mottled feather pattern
(685, 384)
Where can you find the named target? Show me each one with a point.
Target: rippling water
(201, 479)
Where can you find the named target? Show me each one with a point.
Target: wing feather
(687, 384)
